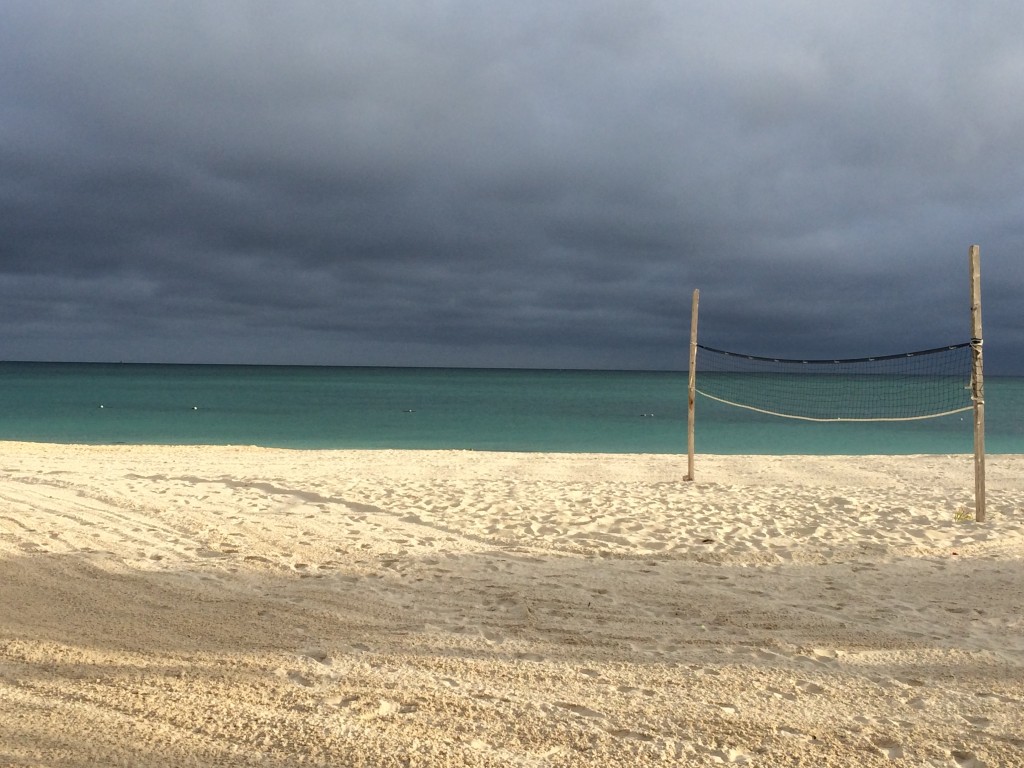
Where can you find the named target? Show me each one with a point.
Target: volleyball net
(904, 387)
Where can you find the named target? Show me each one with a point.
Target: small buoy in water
(409, 410)
(195, 407)
(101, 405)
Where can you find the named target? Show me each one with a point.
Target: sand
(175, 606)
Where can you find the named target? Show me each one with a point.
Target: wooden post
(693, 386)
(977, 385)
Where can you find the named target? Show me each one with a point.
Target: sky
(507, 184)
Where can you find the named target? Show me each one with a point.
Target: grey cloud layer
(532, 184)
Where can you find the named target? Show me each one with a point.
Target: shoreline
(258, 606)
(679, 455)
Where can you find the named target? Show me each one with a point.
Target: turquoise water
(515, 410)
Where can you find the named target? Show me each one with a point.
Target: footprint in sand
(342, 702)
(793, 733)
(318, 655)
(388, 708)
(536, 657)
(625, 733)
(733, 755)
(578, 709)
(824, 655)
(808, 687)
(889, 748)
(910, 682)
(492, 637)
(977, 722)
(965, 759)
(300, 679)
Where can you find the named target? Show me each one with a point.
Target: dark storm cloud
(456, 183)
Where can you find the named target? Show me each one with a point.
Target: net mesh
(904, 387)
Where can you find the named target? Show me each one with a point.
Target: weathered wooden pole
(693, 386)
(977, 385)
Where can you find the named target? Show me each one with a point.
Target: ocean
(436, 408)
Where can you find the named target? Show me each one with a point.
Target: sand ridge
(246, 606)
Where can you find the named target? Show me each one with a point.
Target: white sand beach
(223, 606)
